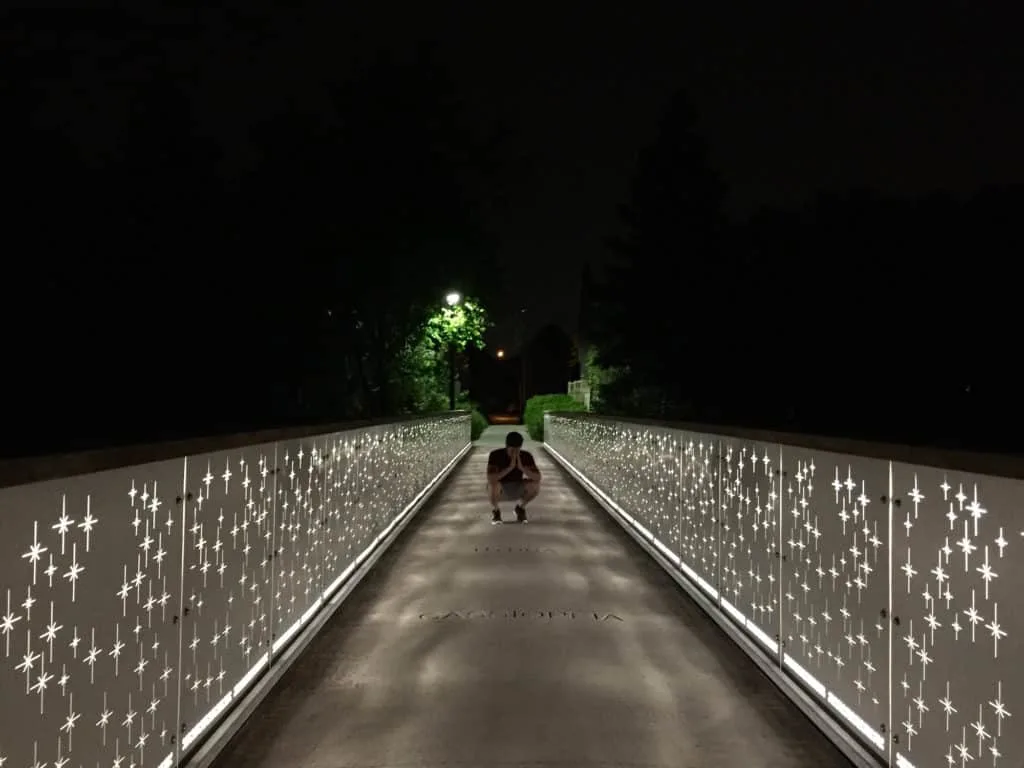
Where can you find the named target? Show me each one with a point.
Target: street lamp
(452, 299)
(501, 353)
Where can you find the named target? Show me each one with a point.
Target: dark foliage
(194, 251)
(856, 315)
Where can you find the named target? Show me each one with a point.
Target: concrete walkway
(494, 437)
(554, 645)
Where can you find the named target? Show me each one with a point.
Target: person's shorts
(514, 489)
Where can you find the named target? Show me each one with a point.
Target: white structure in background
(580, 391)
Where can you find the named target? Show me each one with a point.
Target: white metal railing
(884, 587)
(138, 605)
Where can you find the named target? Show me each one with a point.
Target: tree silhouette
(650, 312)
(549, 355)
(217, 281)
(856, 314)
(371, 186)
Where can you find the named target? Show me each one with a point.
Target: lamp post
(452, 299)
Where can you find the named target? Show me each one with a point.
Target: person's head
(513, 441)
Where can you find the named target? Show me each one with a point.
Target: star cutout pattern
(218, 559)
(828, 559)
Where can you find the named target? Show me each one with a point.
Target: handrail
(860, 613)
(34, 469)
(1002, 465)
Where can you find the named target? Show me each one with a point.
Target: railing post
(718, 466)
(888, 618)
(779, 653)
(682, 486)
(179, 727)
(273, 560)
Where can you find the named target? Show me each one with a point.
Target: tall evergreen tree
(655, 311)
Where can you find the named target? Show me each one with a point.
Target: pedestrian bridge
(681, 597)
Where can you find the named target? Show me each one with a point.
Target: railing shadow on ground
(150, 597)
(865, 579)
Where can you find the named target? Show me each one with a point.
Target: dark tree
(895, 317)
(856, 314)
(114, 194)
(549, 361)
(186, 273)
(368, 196)
(654, 310)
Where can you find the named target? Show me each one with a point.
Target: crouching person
(512, 473)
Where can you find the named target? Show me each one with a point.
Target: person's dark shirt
(499, 460)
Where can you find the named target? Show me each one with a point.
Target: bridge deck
(555, 644)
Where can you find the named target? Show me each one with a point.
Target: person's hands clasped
(521, 468)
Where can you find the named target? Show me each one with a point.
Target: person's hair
(514, 440)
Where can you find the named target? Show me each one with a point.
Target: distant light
(453, 298)
(501, 353)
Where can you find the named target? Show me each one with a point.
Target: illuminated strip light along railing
(759, 634)
(855, 720)
(642, 530)
(247, 680)
(810, 681)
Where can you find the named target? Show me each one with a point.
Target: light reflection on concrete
(385, 684)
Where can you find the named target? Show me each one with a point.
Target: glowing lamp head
(501, 353)
(453, 298)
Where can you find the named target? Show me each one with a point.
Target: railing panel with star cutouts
(880, 578)
(139, 604)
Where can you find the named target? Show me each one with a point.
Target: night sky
(790, 103)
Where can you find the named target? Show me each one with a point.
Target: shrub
(478, 423)
(537, 405)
